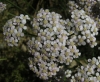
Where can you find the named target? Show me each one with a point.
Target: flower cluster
(54, 40)
(86, 5)
(84, 27)
(13, 29)
(82, 4)
(88, 73)
(91, 8)
(51, 44)
(2, 7)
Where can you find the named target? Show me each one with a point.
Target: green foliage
(15, 69)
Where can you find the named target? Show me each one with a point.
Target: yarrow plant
(54, 43)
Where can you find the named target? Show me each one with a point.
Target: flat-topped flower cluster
(13, 29)
(84, 27)
(51, 46)
(88, 73)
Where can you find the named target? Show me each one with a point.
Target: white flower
(68, 73)
(24, 18)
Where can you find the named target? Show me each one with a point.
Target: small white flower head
(68, 73)
(24, 18)
(2, 7)
(90, 72)
(84, 27)
(13, 29)
(82, 4)
(98, 48)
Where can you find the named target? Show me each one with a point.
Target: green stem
(11, 14)
(3, 59)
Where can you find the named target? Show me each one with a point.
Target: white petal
(55, 29)
(20, 30)
(25, 27)
(16, 40)
(11, 39)
(22, 34)
(15, 31)
(27, 17)
(13, 27)
(21, 16)
(23, 21)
